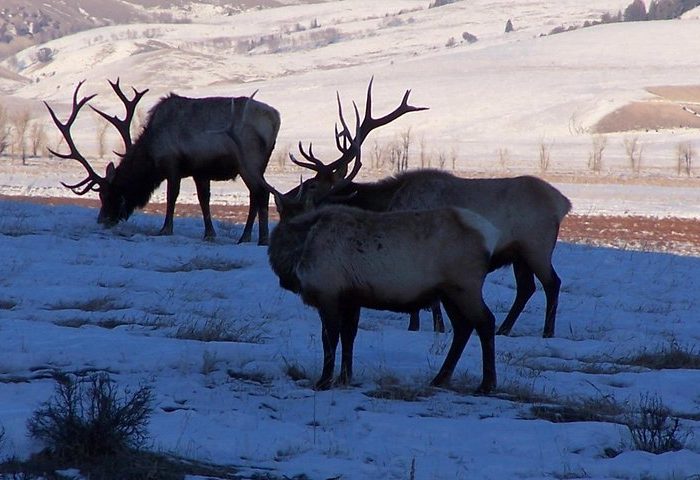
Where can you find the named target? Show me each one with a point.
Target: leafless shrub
(684, 154)
(394, 151)
(595, 158)
(503, 157)
(37, 138)
(405, 144)
(377, 154)
(4, 129)
(101, 133)
(451, 42)
(20, 123)
(441, 159)
(424, 157)
(634, 153)
(653, 428)
(575, 127)
(88, 418)
(545, 150)
(324, 37)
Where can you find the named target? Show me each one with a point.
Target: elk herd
(422, 238)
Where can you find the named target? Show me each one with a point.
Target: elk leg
(263, 211)
(330, 334)
(173, 190)
(485, 327)
(438, 323)
(525, 288)
(348, 332)
(252, 210)
(204, 195)
(461, 331)
(551, 291)
(414, 322)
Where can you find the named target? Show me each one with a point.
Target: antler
(123, 126)
(93, 180)
(345, 143)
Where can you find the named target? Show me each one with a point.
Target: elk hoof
(440, 382)
(209, 237)
(485, 388)
(323, 384)
(165, 231)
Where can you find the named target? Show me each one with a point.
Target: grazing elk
(340, 259)
(526, 210)
(183, 137)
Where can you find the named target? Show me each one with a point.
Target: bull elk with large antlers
(526, 210)
(341, 259)
(184, 137)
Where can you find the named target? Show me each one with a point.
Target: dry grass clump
(672, 355)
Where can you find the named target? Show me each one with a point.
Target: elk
(526, 210)
(340, 259)
(183, 137)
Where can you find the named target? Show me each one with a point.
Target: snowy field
(76, 298)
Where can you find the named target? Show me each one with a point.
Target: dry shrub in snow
(89, 418)
(653, 429)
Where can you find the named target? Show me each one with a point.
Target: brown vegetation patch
(667, 234)
(664, 112)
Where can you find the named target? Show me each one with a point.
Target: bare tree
(545, 155)
(503, 157)
(102, 139)
(424, 157)
(37, 138)
(20, 122)
(377, 155)
(4, 129)
(405, 142)
(595, 158)
(684, 153)
(634, 153)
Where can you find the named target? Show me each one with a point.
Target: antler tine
(368, 124)
(92, 178)
(123, 126)
(313, 163)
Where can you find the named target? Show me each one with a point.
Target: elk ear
(111, 172)
(279, 203)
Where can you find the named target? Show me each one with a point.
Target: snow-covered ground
(77, 298)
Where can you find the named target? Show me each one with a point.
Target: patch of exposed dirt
(668, 234)
(664, 112)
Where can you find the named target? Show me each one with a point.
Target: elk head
(332, 178)
(113, 207)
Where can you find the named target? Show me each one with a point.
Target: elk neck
(136, 176)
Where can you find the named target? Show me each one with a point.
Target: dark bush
(88, 418)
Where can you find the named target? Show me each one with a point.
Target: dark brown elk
(183, 137)
(340, 259)
(528, 212)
